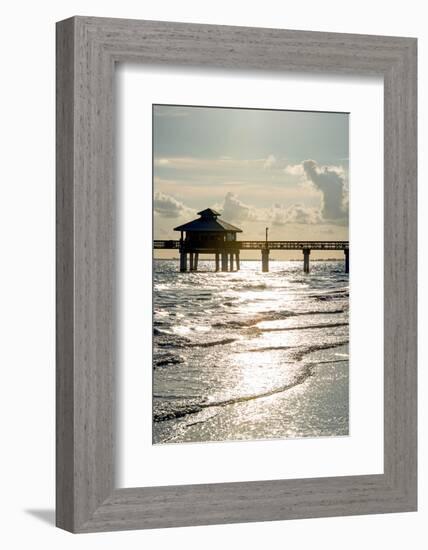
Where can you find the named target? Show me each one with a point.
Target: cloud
(294, 170)
(269, 162)
(330, 181)
(203, 164)
(223, 163)
(310, 193)
(233, 209)
(161, 162)
(169, 207)
(236, 210)
(296, 213)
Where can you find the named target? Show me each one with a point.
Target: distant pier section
(210, 235)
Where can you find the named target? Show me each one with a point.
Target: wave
(273, 316)
(303, 327)
(329, 297)
(333, 295)
(167, 359)
(320, 312)
(270, 348)
(164, 339)
(172, 411)
(300, 351)
(168, 340)
(251, 286)
(178, 410)
(158, 331)
(212, 343)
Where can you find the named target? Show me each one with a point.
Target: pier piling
(346, 260)
(183, 261)
(306, 253)
(224, 260)
(265, 260)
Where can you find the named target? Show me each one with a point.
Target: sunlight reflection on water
(249, 355)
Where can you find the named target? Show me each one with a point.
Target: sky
(285, 170)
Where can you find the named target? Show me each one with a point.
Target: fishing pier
(210, 235)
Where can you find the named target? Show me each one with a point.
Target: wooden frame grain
(87, 50)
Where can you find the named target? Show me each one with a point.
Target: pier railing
(293, 245)
(166, 245)
(260, 245)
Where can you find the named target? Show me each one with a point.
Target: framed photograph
(223, 348)
(220, 359)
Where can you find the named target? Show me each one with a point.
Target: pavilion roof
(208, 221)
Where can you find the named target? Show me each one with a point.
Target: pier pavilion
(209, 235)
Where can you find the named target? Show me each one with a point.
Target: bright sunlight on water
(250, 355)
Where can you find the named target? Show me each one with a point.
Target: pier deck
(259, 245)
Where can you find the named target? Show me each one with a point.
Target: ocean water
(250, 355)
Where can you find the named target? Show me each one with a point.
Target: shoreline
(323, 395)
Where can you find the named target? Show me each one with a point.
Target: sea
(247, 355)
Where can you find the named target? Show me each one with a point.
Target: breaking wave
(170, 411)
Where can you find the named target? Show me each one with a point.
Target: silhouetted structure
(209, 235)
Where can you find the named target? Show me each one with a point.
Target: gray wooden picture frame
(87, 50)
